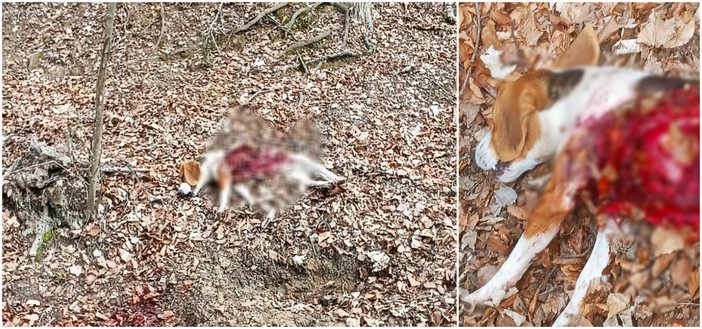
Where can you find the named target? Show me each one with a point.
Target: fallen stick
(475, 51)
(302, 63)
(110, 170)
(343, 53)
(261, 15)
(309, 41)
(327, 57)
(283, 28)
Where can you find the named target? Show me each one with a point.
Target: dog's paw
(221, 209)
(488, 296)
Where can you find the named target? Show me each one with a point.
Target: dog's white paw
(488, 295)
(568, 318)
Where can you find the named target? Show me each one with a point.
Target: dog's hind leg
(599, 257)
(512, 270)
(312, 166)
(244, 192)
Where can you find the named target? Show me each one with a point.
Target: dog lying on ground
(629, 139)
(231, 169)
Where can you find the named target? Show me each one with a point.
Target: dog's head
(189, 175)
(516, 129)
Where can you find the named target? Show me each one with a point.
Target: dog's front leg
(554, 204)
(225, 187)
(205, 177)
(224, 196)
(599, 258)
(512, 270)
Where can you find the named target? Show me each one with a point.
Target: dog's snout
(485, 157)
(184, 189)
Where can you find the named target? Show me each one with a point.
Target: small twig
(261, 15)
(290, 23)
(256, 94)
(532, 304)
(285, 29)
(163, 25)
(475, 52)
(10, 170)
(211, 28)
(109, 170)
(443, 90)
(483, 87)
(309, 41)
(302, 62)
(69, 145)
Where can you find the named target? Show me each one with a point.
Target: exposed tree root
(332, 56)
(309, 41)
(261, 15)
(344, 53)
(289, 24)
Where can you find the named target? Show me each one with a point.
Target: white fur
(599, 257)
(600, 90)
(512, 270)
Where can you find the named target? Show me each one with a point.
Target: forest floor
(386, 118)
(649, 288)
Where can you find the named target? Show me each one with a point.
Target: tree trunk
(96, 148)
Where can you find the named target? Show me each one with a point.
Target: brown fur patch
(515, 126)
(552, 207)
(224, 177)
(189, 172)
(584, 51)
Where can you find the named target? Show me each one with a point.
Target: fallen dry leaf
(680, 273)
(668, 33)
(616, 303)
(665, 241)
(693, 285)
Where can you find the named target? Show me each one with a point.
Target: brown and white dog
(544, 115)
(233, 168)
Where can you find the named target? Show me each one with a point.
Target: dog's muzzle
(485, 157)
(184, 189)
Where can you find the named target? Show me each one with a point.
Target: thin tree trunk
(96, 148)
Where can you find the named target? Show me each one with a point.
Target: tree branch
(96, 148)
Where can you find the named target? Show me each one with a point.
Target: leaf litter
(386, 118)
(654, 278)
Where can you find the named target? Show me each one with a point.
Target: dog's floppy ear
(515, 122)
(189, 172)
(584, 51)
